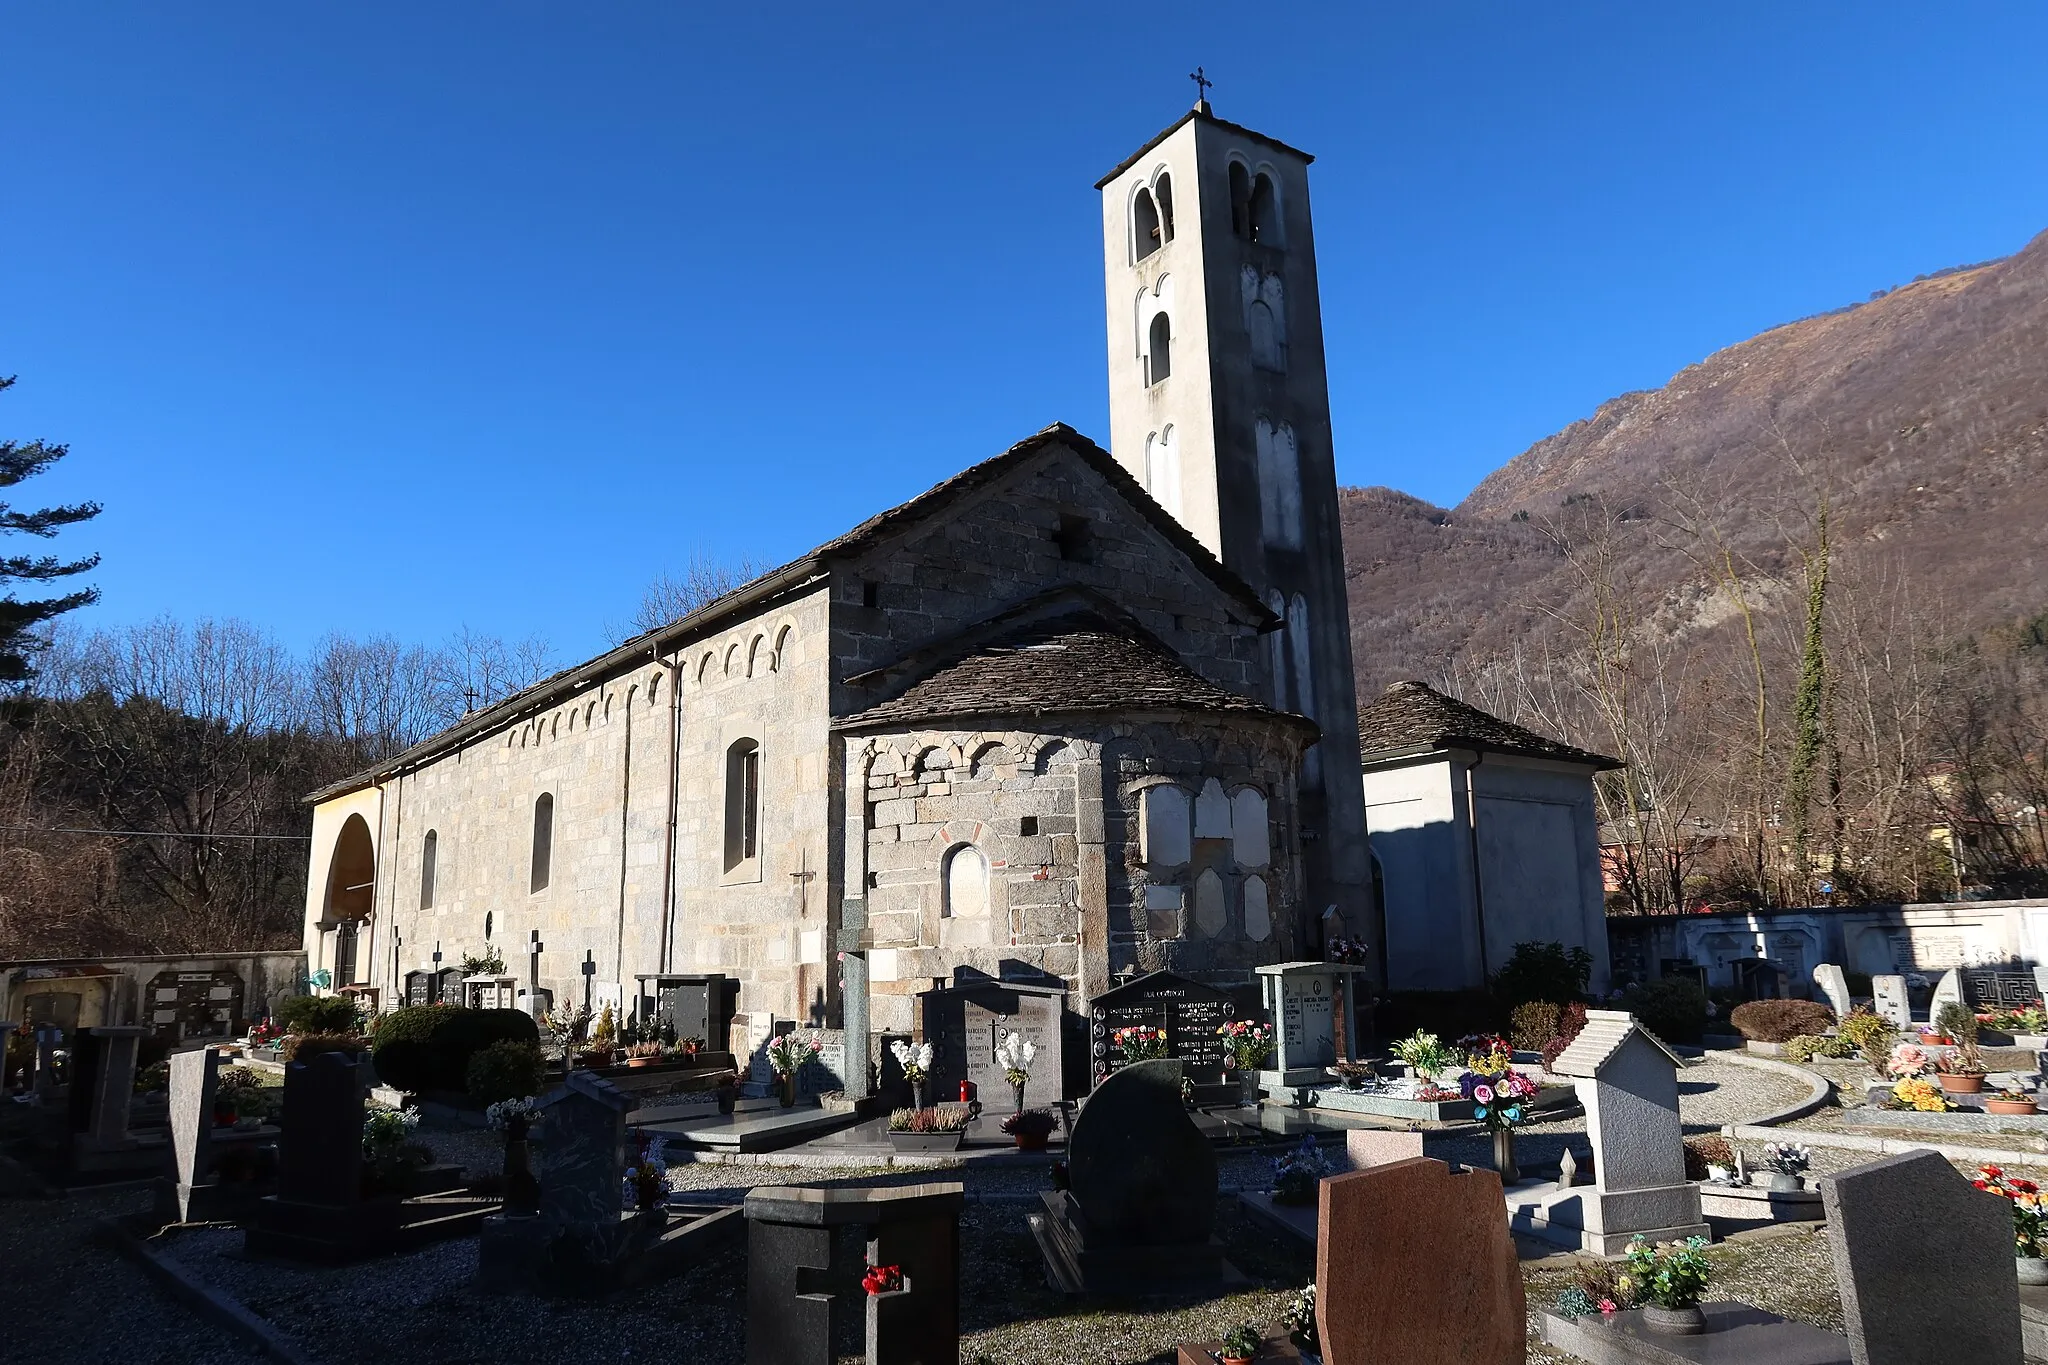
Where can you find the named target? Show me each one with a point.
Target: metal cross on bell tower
(1202, 87)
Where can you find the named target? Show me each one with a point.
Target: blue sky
(401, 318)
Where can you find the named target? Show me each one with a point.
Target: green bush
(317, 1014)
(506, 1070)
(1863, 1028)
(428, 1047)
(1674, 1008)
(1542, 971)
(304, 1047)
(1534, 1024)
(1958, 1022)
(1776, 1021)
(1808, 1046)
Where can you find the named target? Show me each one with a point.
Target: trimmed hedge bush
(506, 1070)
(428, 1047)
(1570, 1024)
(1779, 1021)
(317, 1014)
(1534, 1024)
(1808, 1046)
(304, 1047)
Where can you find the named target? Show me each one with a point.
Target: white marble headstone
(1949, 991)
(1889, 994)
(1829, 980)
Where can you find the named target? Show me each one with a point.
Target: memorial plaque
(1189, 1012)
(966, 1021)
(697, 1006)
(419, 988)
(827, 1070)
(195, 1004)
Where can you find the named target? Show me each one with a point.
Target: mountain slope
(1922, 414)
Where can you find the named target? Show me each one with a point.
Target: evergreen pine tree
(19, 618)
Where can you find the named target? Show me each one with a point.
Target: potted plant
(1788, 1162)
(1016, 1053)
(1669, 1283)
(1031, 1127)
(643, 1054)
(916, 1063)
(1300, 1322)
(1426, 1055)
(2025, 1198)
(2014, 1102)
(1298, 1174)
(939, 1129)
(787, 1054)
(647, 1178)
(1246, 1046)
(1353, 1075)
(1241, 1345)
(1960, 1072)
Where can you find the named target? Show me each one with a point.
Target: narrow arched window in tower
(1162, 470)
(543, 841)
(429, 855)
(1163, 193)
(742, 802)
(1144, 226)
(1279, 484)
(1240, 200)
(1265, 211)
(1159, 349)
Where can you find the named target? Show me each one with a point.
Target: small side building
(1483, 835)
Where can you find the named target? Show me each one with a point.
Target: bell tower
(1219, 403)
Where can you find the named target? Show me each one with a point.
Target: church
(1076, 711)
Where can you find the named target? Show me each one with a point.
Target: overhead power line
(147, 833)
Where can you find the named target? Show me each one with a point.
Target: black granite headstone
(419, 988)
(966, 1021)
(321, 1152)
(1189, 1012)
(698, 1006)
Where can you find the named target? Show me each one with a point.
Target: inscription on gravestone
(967, 1021)
(1189, 1012)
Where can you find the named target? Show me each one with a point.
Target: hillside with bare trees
(1800, 588)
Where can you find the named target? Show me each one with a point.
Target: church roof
(1202, 112)
(803, 573)
(1415, 718)
(1079, 662)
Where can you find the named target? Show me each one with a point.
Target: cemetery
(1172, 1162)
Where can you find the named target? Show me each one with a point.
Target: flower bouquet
(1787, 1161)
(787, 1054)
(1669, 1283)
(1297, 1174)
(915, 1059)
(883, 1279)
(646, 1185)
(265, 1033)
(1016, 1053)
(1922, 1095)
(1500, 1101)
(1907, 1061)
(1299, 1319)
(1139, 1043)
(1426, 1055)
(2027, 1239)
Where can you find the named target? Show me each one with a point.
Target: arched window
(1163, 826)
(1279, 484)
(1159, 349)
(543, 841)
(742, 803)
(966, 883)
(1265, 211)
(1144, 226)
(1163, 193)
(1265, 317)
(1240, 200)
(429, 851)
(1162, 470)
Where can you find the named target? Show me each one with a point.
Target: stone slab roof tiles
(1415, 718)
(1605, 1032)
(1075, 663)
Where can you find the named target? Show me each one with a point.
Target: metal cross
(802, 877)
(1202, 85)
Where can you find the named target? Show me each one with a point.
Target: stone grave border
(208, 1303)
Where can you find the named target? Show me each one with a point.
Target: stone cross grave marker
(1948, 991)
(1391, 1286)
(320, 1155)
(1889, 999)
(1889, 1222)
(583, 1140)
(1830, 982)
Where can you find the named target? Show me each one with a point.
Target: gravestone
(583, 1169)
(204, 1004)
(1891, 1223)
(1889, 1000)
(1303, 1000)
(800, 1283)
(1627, 1079)
(1140, 1201)
(1189, 1012)
(1830, 982)
(1947, 991)
(113, 1084)
(698, 1006)
(965, 1023)
(419, 988)
(1367, 1147)
(2041, 983)
(48, 1039)
(195, 1078)
(751, 1033)
(826, 1070)
(1391, 1286)
(321, 1152)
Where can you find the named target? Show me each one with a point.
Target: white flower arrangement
(501, 1114)
(915, 1061)
(1016, 1053)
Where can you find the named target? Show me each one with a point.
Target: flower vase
(2031, 1269)
(786, 1090)
(1247, 1088)
(1785, 1182)
(522, 1191)
(1018, 1091)
(917, 1094)
(1504, 1156)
